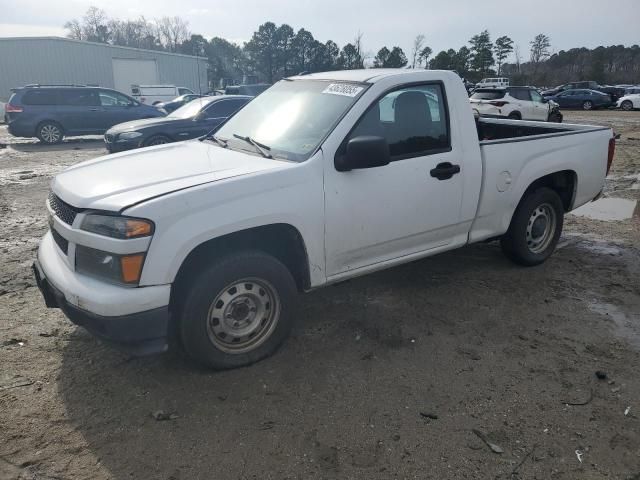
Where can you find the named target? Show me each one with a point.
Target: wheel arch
(282, 240)
(563, 182)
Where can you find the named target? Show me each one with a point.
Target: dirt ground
(385, 377)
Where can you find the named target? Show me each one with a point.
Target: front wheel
(157, 140)
(555, 117)
(238, 310)
(535, 228)
(627, 105)
(587, 105)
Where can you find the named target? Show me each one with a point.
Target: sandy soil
(386, 376)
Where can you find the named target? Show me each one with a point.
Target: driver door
(379, 214)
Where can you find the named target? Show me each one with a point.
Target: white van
(493, 82)
(152, 94)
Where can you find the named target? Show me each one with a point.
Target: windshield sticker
(343, 89)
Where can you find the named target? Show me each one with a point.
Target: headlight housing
(115, 226)
(129, 136)
(110, 267)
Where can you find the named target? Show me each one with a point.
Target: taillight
(12, 108)
(498, 104)
(611, 153)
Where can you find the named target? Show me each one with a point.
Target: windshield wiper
(263, 149)
(219, 141)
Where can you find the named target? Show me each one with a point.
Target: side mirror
(364, 152)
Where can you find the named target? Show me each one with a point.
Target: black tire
(50, 132)
(157, 140)
(627, 105)
(587, 105)
(515, 116)
(555, 117)
(272, 323)
(521, 243)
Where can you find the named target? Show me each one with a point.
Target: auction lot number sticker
(345, 89)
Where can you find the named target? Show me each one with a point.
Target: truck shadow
(365, 356)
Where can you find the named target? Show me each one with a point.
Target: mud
(386, 376)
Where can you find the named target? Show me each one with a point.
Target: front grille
(63, 211)
(60, 241)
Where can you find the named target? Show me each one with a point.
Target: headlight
(110, 267)
(129, 135)
(117, 227)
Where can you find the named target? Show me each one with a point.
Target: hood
(114, 182)
(142, 123)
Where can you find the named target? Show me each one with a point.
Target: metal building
(55, 60)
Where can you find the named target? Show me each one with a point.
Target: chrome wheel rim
(158, 141)
(587, 105)
(243, 315)
(627, 105)
(541, 228)
(50, 133)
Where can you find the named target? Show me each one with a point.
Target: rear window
(488, 94)
(40, 97)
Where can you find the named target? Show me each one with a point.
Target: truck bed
(515, 153)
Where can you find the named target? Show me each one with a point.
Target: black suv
(51, 112)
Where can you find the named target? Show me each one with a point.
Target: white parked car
(516, 103)
(493, 82)
(153, 94)
(310, 184)
(629, 102)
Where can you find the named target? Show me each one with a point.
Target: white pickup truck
(321, 178)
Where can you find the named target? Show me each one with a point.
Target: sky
(445, 24)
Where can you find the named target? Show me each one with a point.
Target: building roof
(98, 44)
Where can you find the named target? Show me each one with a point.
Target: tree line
(276, 51)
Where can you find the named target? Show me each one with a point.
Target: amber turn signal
(131, 266)
(137, 228)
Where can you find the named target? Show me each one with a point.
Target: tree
(394, 58)
(425, 53)
(462, 60)
(502, 48)
(173, 31)
(418, 45)
(481, 52)
(444, 60)
(285, 50)
(360, 55)
(226, 60)
(262, 51)
(349, 57)
(303, 44)
(539, 49)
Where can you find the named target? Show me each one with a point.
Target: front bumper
(114, 147)
(135, 320)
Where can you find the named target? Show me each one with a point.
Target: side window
(535, 96)
(109, 98)
(413, 120)
(223, 108)
(78, 97)
(184, 91)
(520, 94)
(40, 97)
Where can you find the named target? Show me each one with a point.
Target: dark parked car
(613, 92)
(53, 112)
(195, 119)
(579, 98)
(177, 102)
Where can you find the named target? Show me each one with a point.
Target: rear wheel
(238, 310)
(50, 133)
(627, 105)
(587, 105)
(535, 228)
(157, 140)
(515, 116)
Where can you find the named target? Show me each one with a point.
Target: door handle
(444, 171)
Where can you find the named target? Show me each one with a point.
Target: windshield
(192, 108)
(292, 117)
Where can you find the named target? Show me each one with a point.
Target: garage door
(131, 71)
